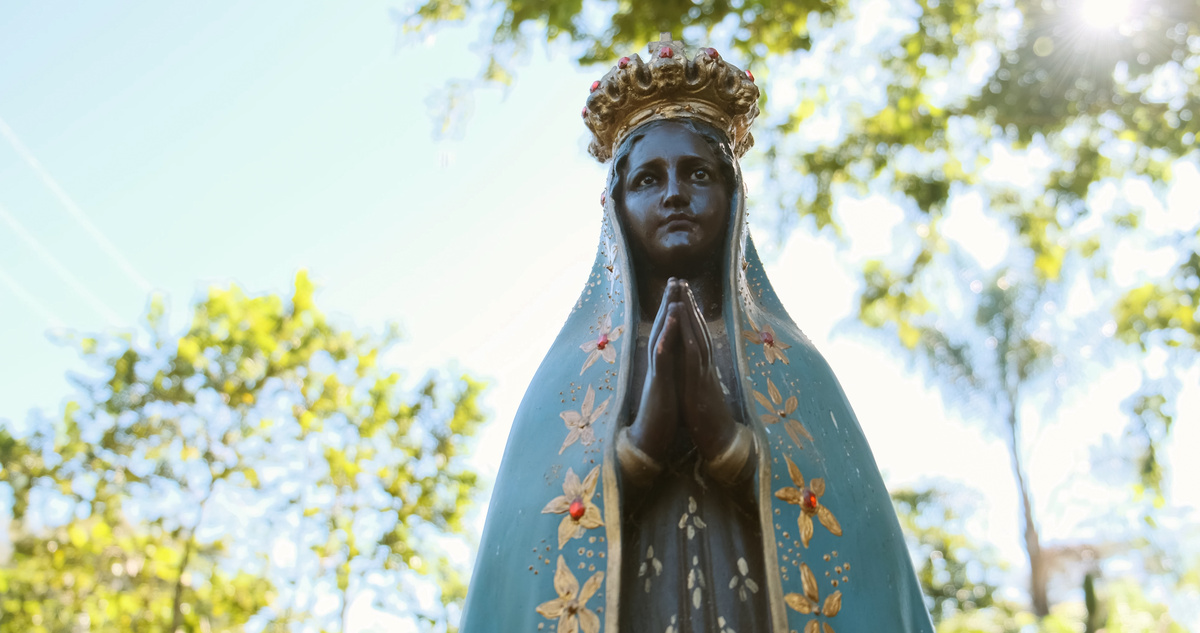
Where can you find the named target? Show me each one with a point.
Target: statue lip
(679, 217)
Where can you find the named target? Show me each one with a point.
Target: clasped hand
(682, 391)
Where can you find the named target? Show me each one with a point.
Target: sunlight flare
(1105, 15)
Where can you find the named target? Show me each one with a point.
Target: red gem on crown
(584, 113)
(595, 86)
(603, 197)
(623, 62)
(750, 75)
(712, 53)
(665, 51)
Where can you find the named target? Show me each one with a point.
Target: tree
(957, 574)
(188, 466)
(918, 102)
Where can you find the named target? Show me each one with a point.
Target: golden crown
(671, 85)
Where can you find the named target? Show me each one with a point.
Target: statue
(684, 459)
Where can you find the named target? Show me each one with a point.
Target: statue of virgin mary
(684, 459)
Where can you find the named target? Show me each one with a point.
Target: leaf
(77, 535)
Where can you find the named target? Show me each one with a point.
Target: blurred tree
(987, 367)
(957, 574)
(1048, 116)
(261, 468)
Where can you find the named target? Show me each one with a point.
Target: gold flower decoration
(576, 503)
(602, 346)
(810, 602)
(570, 607)
(809, 500)
(579, 423)
(793, 427)
(613, 270)
(772, 347)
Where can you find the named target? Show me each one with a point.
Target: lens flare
(1105, 15)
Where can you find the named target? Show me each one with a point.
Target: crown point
(595, 86)
(712, 53)
(750, 75)
(665, 52)
(623, 62)
(664, 36)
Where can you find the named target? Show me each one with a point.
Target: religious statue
(684, 459)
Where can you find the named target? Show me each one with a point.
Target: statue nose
(675, 195)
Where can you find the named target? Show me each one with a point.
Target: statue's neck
(706, 288)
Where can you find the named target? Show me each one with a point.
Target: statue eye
(645, 180)
(701, 174)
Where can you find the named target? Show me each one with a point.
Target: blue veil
(551, 551)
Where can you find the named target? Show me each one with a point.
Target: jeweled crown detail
(671, 84)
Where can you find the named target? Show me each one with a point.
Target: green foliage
(1164, 313)
(187, 461)
(957, 575)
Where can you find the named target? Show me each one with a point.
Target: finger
(667, 347)
(661, 316)
(666, 340)
(696, 317)
(690, 339)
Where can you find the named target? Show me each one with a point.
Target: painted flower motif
(810, 602)
(691, 521)
(576, 503)
(611, 267)
(695, 582)
(808, 498)
(772, 348)
(793, 427)
(651, 564)
(570, 607)
(743, 582)
(579, 423)
(602, 345)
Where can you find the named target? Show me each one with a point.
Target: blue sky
(170, 146)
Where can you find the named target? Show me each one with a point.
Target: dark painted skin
(676, 213)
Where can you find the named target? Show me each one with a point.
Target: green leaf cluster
(187, 460)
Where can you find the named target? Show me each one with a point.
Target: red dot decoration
(603, 197)
(576, 509)
(810, 499)
(603, 342)
(767, 338)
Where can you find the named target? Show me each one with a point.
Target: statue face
(676, 203)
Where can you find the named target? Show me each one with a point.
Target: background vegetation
(260, 470)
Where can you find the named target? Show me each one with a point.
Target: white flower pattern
(696, 523)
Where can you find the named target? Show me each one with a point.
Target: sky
(165, 147)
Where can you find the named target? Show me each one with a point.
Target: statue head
(673, 127)
(673, 186)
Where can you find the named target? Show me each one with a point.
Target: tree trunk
(177, 603)
(1033, 544)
